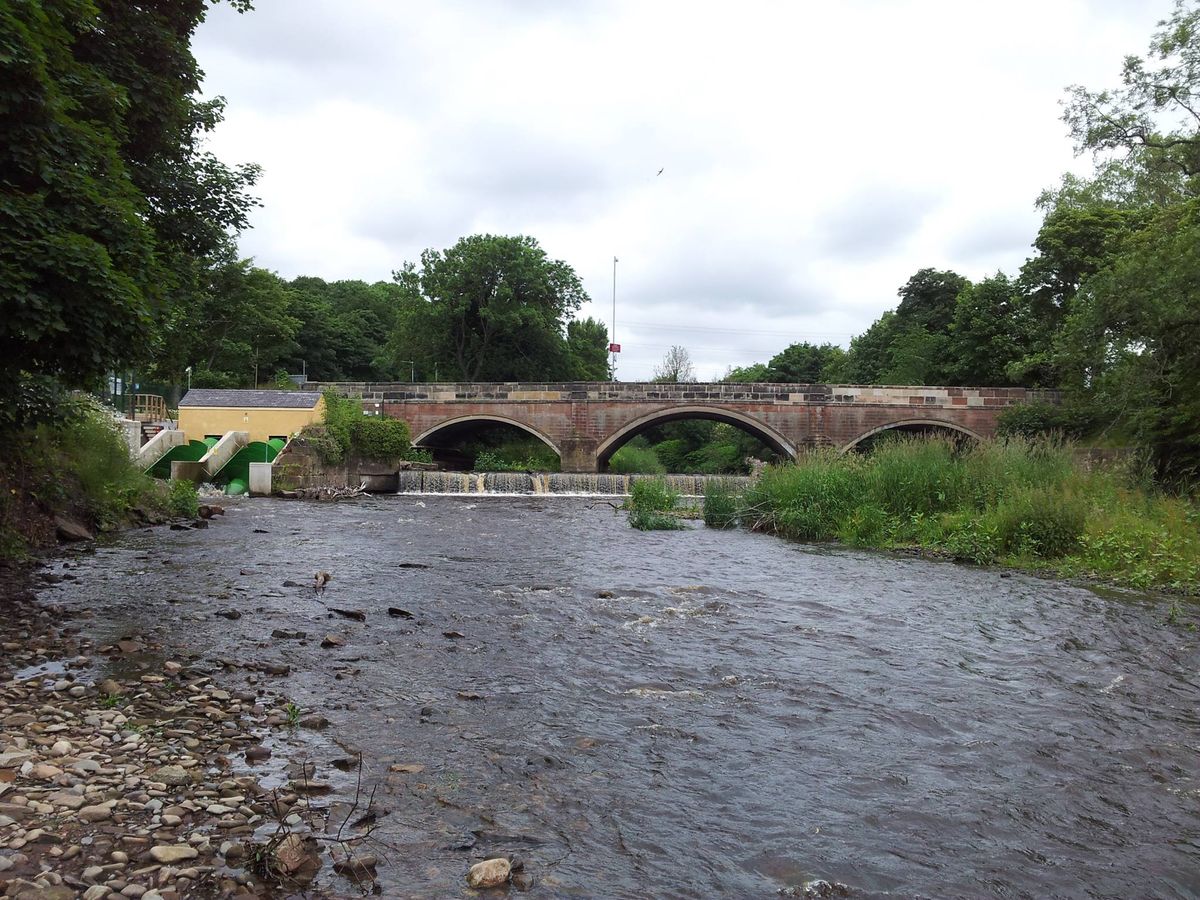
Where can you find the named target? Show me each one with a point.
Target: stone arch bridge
(586, 422)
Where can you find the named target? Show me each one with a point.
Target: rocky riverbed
(131, 769)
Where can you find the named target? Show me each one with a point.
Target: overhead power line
(719, 330)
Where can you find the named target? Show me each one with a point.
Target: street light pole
(412, 370)
(613, 337)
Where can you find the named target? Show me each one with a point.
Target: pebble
(107, 789)
(95, 813)
(169, 854)
(489, 873)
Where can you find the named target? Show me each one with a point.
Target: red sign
(614, 348)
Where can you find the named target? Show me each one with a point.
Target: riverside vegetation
(1016, 502)
(75, 468)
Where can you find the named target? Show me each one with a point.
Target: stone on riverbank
(489, 873)
(168, 854)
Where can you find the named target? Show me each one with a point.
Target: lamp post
(188, 373)
(613, 337)
(412, 369)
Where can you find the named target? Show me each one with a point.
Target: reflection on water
(700, 713)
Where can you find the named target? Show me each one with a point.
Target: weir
(603, 484)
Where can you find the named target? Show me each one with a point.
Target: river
(696, 713)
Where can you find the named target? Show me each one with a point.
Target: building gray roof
(250, 399)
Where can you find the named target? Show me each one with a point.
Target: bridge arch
(912, 424)
(630, 430)
(460, 425)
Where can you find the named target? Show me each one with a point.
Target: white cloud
(814, 156)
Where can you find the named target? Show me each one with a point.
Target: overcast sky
(813, 155)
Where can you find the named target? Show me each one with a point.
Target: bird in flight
(660, 171)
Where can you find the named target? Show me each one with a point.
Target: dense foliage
(109, 206)
(1017, 502)
(346, 431)
(493, 308)
(78, 466)
(651, 505)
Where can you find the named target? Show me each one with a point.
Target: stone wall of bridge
(586, 422)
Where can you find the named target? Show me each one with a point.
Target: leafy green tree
(108, 206)
(344, 329)
(240, 329)
(587, 350)
(1154, 114)
(753, 373)
(1131, 344)
(870, 354)
(805, 363)
(928, 299)
(489, 308)
(989, 332)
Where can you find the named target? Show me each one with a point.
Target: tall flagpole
(612, 338)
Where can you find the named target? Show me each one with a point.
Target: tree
(107, 206)
(805, 363)
(927, 300)
(344, 329)
(676, 367)
(587, 350)
(870, 353)
(755, 372)
(1131, 344)
(490, 307)
(989, 332)
(1154, 116)
(240, 329)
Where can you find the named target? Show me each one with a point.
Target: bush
(347, 430)
(1046, 420)
(378, 438)
(634, 460)
(651, 505)
(970, 538)
(341, 415)
(1041, 524)
(78, 464)
(183, 499)
(866, 526)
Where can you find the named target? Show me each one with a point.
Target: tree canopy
(490, 308)
(108, 206)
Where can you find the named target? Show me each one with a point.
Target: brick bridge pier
(586, 422)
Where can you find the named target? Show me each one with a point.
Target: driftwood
(324, 493)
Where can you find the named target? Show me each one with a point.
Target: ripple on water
(783, 715)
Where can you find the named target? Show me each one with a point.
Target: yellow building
(264, 415)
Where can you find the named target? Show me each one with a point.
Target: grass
(651, 506)
(293, 713)
(78, 466)
(1016, 502)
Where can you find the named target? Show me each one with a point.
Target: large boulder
(71, 530)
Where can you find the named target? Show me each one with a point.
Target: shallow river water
(698, 713)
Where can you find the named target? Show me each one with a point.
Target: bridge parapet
(719, 392)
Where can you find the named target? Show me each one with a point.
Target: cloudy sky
(813, 155)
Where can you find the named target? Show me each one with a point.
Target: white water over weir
(413, 482)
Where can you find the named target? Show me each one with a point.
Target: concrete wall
(259, 423)
(154, 449)
(222, 452)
